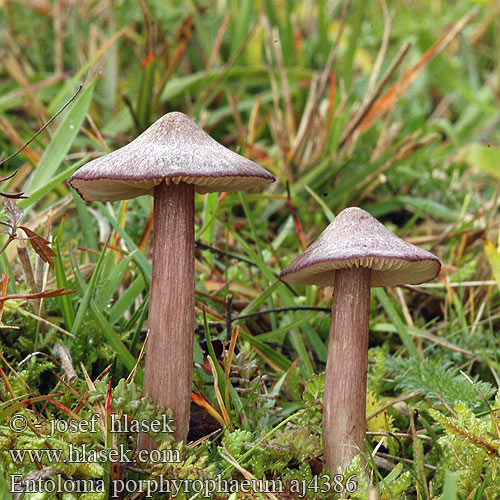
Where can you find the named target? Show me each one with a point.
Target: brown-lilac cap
(356, 239)
(173, 149)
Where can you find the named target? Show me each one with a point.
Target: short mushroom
(355, 252)
(171, 160)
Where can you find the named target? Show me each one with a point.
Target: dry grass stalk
(20, 75)
(381, 53)
(289, 124)
(384, 103)
(418, 453)
(365, 109)
(218, 41)
(317, 91)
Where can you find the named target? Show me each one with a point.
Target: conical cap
(356, 239)
(173, 149)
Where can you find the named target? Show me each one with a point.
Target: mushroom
(354, 253)
(171, 160)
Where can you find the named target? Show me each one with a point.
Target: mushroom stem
(169, 353)
(344, 414)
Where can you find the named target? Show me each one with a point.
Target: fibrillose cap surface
(173, 149)
(356, 239)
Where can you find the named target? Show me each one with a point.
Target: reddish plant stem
(169, 354)
(344, 414)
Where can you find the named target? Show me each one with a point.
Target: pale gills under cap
(173, 149)
(356, 239)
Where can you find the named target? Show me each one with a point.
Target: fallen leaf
(40, 245)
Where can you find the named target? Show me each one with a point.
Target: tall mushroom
(171, 160)
(355, 252)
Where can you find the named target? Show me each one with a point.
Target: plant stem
(169, 356)
(344, 414)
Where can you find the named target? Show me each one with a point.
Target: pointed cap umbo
(173, 149)
(356, 239)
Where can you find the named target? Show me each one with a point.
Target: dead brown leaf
(40, 245)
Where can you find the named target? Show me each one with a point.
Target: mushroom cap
(356, 239)
(173, 149)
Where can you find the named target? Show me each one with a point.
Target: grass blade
(450, 486)
(87, 294)
(112, 337)
(126, 300)
(139, 256)
(65, 300)
(62, 140)
(277, 358)
(49, 186)
(396, 320)
(113, 279)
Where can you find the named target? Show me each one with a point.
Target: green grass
(259, 77)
